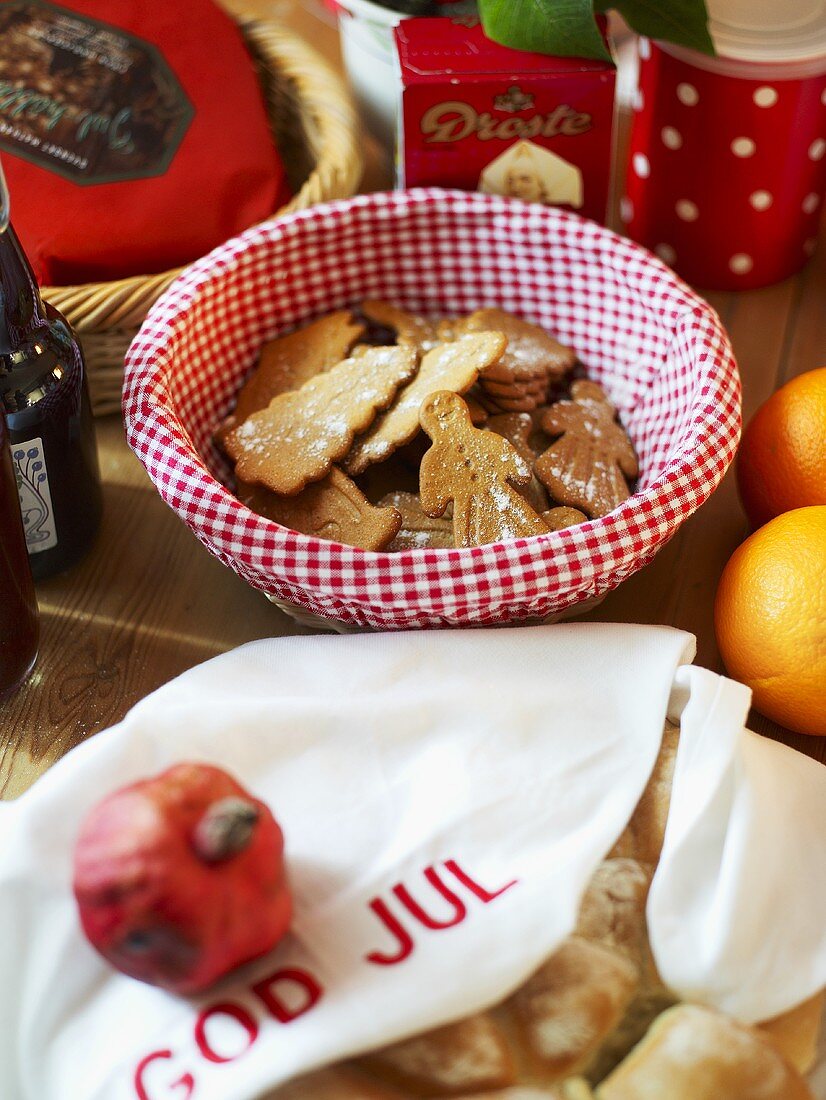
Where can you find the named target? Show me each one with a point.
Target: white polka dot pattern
(687, 210)
(743, 147)
(817, 149)
(688, 95)
(741, 263)
(672, 137)
(811, 203)
(766, 96)
(657, 347)
(760, 200)
(641, 165)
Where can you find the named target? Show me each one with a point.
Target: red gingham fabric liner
(658, 349)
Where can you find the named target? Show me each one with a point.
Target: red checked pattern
(659, 350)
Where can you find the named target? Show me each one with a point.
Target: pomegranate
(180, 878)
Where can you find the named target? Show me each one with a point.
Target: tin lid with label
(785, 31)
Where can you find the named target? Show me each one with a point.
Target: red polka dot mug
(727, 165)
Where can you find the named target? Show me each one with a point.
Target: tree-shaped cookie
(587, 466)
(454, 366)
(287, 362)
(479, 471)
(298, 437)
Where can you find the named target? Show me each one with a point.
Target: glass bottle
(45, 396)
(18, 606)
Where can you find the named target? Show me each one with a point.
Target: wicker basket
(314, 124)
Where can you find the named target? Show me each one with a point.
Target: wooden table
(150, 602)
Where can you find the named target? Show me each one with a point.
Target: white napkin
(506, 761)
(736, 908)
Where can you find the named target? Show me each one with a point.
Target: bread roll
(573, 1089)
(796, 1032)
(613, 915)
(467, 1056)
(572, 1004)
(336, 1083)
(596, 999)
(643, 837)
(694, 1053)
(613, 908)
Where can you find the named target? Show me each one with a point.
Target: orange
(770, 618)
(782, 459)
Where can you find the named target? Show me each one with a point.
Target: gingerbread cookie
(529, 392)
(584, 467)
(419, 531)
(301, 434)
(517, 428)
(521, 379)
(411, 329)
(287, 362)
(478, 413)
(559, 518)
(446, 330)
(452, 367)
(333, 508)
(479, 471)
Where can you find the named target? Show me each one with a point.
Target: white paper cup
(370, 60)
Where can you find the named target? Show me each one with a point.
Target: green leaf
(562, 28)
(683, 22)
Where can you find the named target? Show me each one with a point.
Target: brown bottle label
(85, 99)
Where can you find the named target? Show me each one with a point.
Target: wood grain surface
(150, 601)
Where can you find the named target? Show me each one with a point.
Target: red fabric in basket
(160, 209)
(658, 349)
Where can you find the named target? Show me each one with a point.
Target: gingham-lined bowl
(658, 349)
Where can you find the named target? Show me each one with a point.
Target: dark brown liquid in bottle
(44, 393)
(18, 607)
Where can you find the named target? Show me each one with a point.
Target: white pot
(370, 59)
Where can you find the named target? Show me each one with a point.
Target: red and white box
(482, 117)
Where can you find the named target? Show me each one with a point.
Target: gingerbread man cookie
(479, 471)
(418, 530)
(333, 508)
(301, 434)
(587, 466)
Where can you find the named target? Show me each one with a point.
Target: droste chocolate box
(480, 116)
